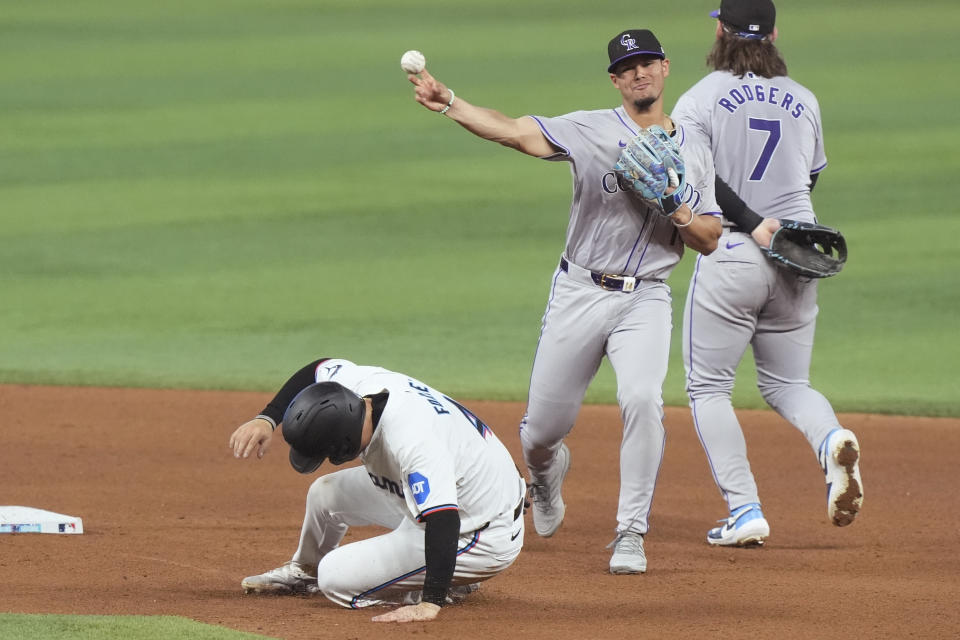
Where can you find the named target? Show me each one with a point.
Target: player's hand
(429, 91)
(412, 613)
(763, 234)
(255, 435)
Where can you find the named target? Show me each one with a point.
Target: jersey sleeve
(690, 113)
(819, 153)
(563, 133)
(426, 467)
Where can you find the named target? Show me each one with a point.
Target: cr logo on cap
(628, 42)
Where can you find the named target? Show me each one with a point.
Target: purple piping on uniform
(546, 312)
(649, 240)
(683, 135)
(550, 137)
(354, 599)
(693, 403)
(663, 445)
(623, 122)
(634, 248)
(820, 168)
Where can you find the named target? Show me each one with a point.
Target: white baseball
(413, 62)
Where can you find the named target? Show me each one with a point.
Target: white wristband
(685, 224)
(453, 97)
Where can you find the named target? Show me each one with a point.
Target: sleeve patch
(420, 486)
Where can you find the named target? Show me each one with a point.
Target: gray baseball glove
(649, 165)
(808, 249)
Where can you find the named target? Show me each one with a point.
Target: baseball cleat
(548, 506)
(746, 527)
(292, 577)
(459, 593)
(839, 457)
(628, 555)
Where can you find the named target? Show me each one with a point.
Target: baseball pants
(389, 568)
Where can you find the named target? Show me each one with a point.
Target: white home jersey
(429, 451)
(610, 229)
(765, 135)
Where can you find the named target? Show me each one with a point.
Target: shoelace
(620, 535)
(630, 543)
(540, 495)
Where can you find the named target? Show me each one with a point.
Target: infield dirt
(173, 523)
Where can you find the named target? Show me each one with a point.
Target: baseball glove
(808, 249)
(649, 165)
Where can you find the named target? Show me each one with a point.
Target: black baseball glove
(808, 249)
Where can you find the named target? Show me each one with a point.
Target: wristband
(453, 97)
(685, 224)
(273, 423)
(669, 204)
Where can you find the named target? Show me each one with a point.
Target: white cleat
(292, 577)
(746, 527)
(628, 555)
(839, 458)
(548, 506)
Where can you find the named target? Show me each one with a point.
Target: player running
(432, 472)
(608, 295)
(767, 141)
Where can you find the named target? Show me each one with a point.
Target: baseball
(412, 62)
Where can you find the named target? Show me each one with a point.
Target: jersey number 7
(772, 127)
(477, 423)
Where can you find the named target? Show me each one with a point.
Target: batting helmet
(325, 420)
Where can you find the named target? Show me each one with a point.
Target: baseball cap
(748, 17)
(633, 42)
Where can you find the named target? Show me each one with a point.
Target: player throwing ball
(432, 472)
(767, 140)
(630, 218)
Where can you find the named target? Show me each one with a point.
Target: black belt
(607, 281)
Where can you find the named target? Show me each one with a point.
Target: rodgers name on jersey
(757, 91)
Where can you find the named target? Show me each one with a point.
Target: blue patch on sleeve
(420, 487)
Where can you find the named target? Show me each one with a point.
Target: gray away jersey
(611, 230)
(748, 120)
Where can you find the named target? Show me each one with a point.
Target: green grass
(212, 194)
(51, 627)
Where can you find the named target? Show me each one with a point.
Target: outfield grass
(52, 627)
(211, 194)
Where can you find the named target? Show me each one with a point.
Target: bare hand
(253, 435)
(412, 613)
(763, 234)
(429, 91)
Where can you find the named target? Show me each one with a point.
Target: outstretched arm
(522, 134)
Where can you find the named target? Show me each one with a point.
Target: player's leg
(723, 301)
(389, 569)
(783, 349)
(335, 502)
(567, 358)
(638, 349)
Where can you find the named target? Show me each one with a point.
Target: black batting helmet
(325, 420)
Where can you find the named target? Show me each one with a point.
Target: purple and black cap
(749, 18)
(633, 42)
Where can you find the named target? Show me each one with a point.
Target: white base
(30, 520)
